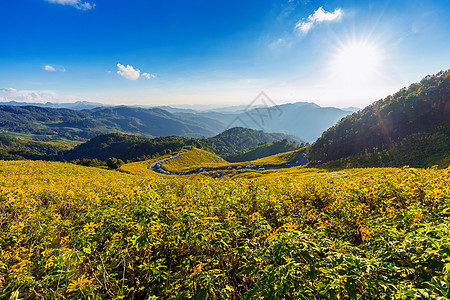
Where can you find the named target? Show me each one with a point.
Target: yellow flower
(79, 284)
(197, 269)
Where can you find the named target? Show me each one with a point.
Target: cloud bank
(11, 94)
(319, 16)
(75, 3)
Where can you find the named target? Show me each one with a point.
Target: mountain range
(46, 123)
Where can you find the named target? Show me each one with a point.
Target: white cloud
(49, 68)
(128, 72)
(75, 3)
(11, 94)
(8, 90)
(54, 68)
(148, 75)
(131, 73)
(319, 16)
(85, 6)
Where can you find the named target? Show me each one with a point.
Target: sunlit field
(76, 232)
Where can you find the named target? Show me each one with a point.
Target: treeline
(410, 127)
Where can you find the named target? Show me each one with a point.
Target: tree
(114, 163)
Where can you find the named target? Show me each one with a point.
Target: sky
(223, 52)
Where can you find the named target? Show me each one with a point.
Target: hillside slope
(105, 146)
(16, 149)
(191, 158)
(411, 127)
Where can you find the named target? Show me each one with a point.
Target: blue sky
(334, 53)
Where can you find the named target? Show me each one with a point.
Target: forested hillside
(233, 142)
(411, 127)
(16, 149)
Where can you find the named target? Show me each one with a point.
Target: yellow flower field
(74, 232)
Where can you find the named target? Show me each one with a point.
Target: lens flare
(356, 62)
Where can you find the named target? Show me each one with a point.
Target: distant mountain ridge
(84, 120)
(85, 124)
(304, 119)
(78, 105)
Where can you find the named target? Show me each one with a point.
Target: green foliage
(411, 127)
(114, 163)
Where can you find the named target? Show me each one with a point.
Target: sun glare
(356, 62)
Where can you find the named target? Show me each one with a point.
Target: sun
(356, 62)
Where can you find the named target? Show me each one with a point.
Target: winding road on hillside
(157, 166)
